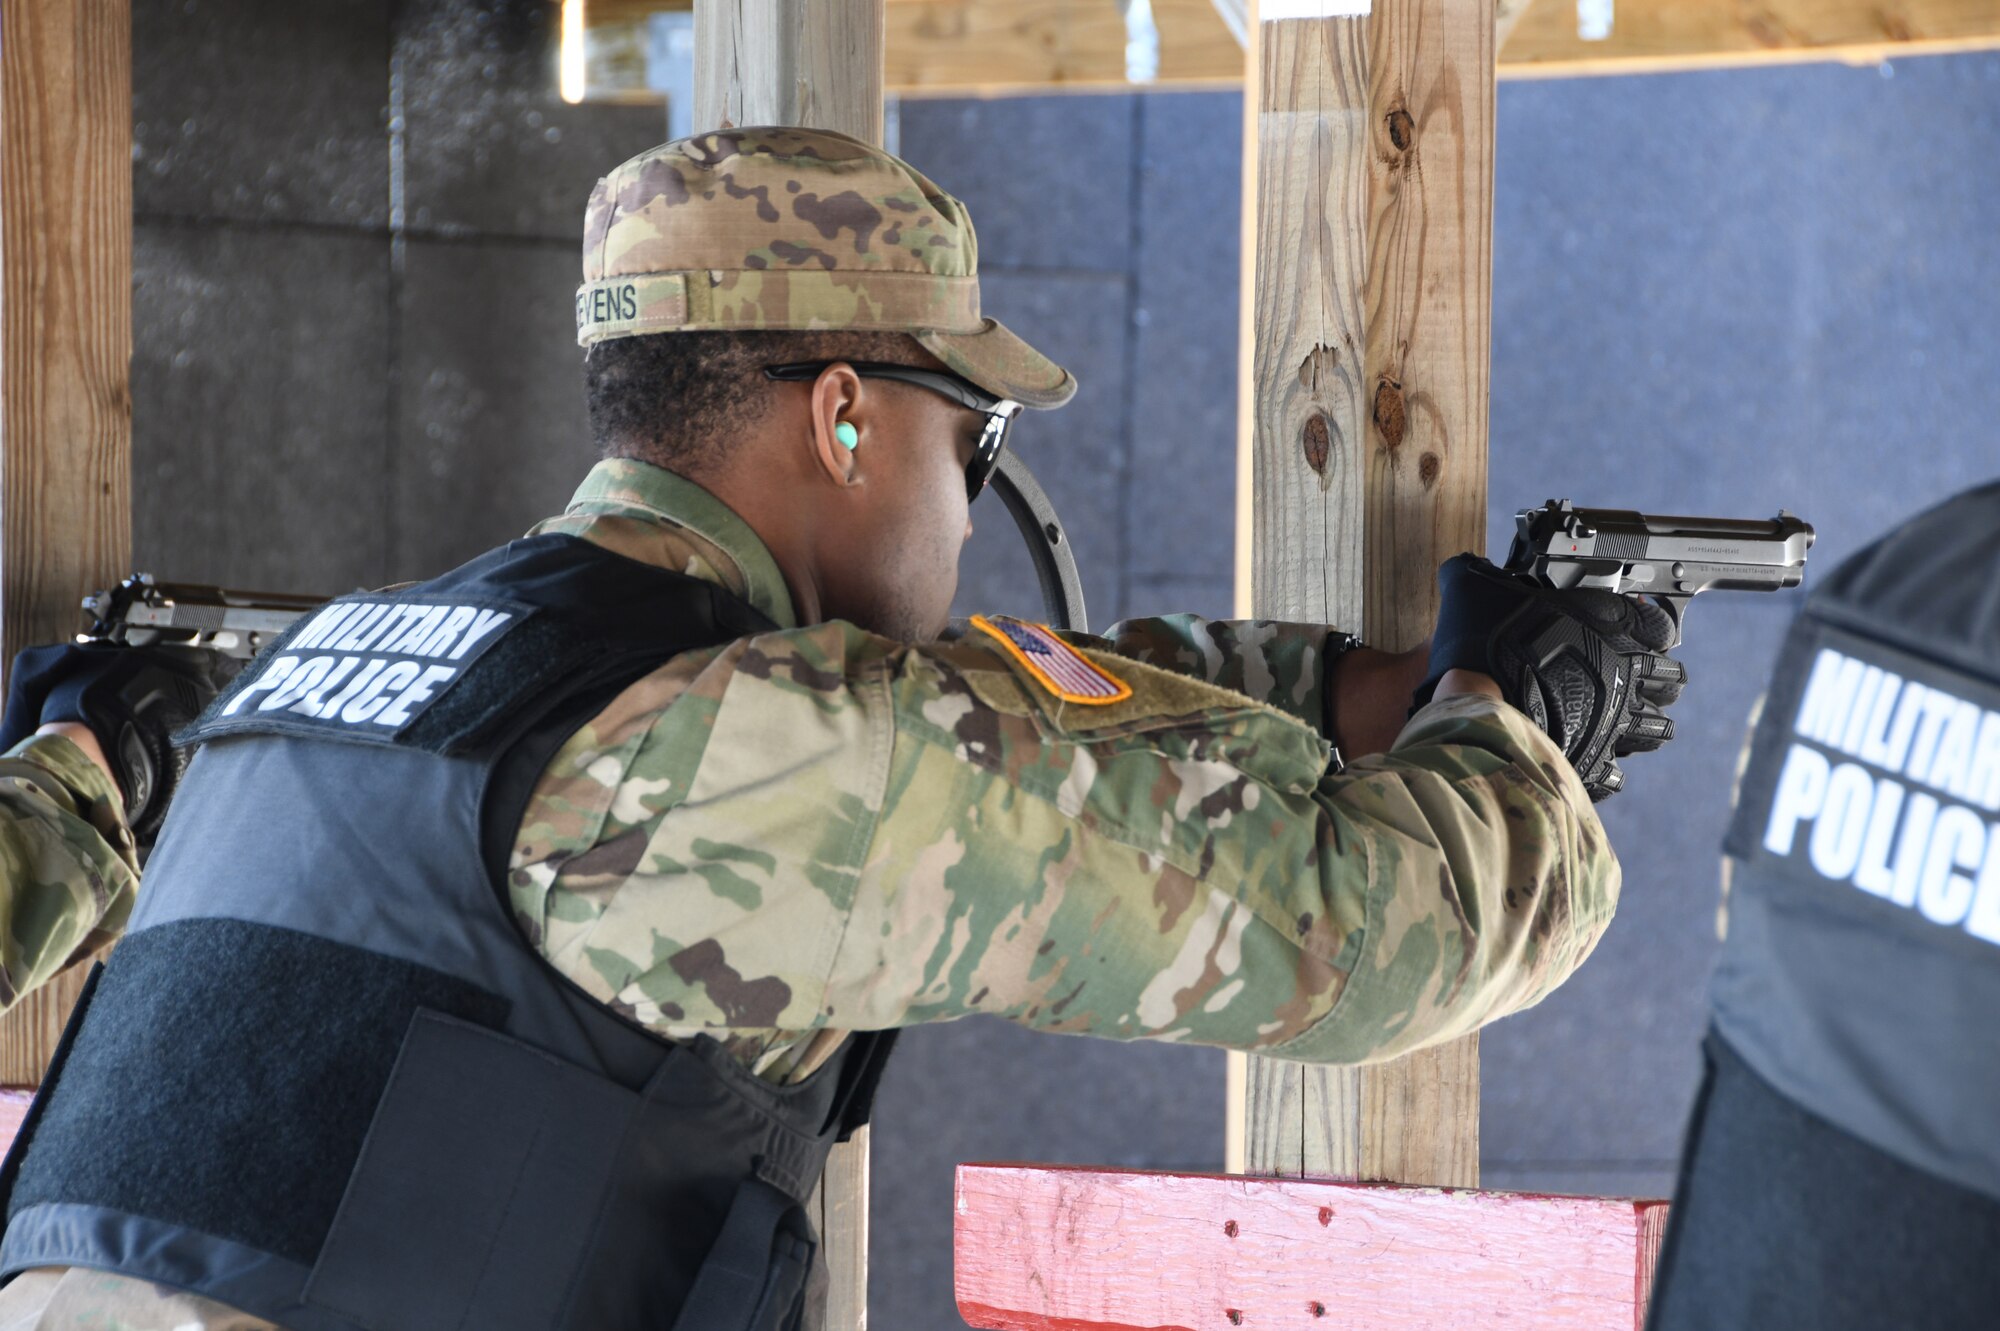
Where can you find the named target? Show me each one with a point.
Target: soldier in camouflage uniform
(855, 821)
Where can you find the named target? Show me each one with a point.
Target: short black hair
(677, 399)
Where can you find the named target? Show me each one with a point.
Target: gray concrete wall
(355, 249)
(1713, 293)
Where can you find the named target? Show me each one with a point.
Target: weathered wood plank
(66, 326)
(1652, 1233)
(13, 1112)
(790, 62)
(1051, 1249)
(816, 63)
(1662, 35)
(840, 1212)
(1430, 304)
(1367, 444)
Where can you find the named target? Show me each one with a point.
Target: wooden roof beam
(985, 48)
(1658, 36)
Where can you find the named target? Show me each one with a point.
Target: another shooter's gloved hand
(132, 698)
(1589, 667)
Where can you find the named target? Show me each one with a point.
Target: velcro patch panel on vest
(364, 667)
(1875, 779)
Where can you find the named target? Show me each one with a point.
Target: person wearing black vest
(1842, 1170)
(521, 940)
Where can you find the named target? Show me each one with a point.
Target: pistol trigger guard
(1676, 608)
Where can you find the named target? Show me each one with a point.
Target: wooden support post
(816, 63)
(65, 366)
(789, 62)
(1369, 267)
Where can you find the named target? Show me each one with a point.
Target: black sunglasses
(999, 411)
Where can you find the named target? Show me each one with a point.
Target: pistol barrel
(1669, 557)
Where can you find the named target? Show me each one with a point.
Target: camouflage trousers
(72, 1297)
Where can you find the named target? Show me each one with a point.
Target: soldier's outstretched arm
(68, 868)
(822, 829)
(1183, 866)
(1318, 674)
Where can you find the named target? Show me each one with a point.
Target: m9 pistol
(227, 626)
(1667, 559)
(189, 642)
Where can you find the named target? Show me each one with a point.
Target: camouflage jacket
(71, 869)
(817, 830)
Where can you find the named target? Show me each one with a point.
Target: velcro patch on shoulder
(363, 667)
(1053, 663)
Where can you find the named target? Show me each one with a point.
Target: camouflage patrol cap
(795, 228)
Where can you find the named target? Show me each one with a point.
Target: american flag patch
(1056, 665)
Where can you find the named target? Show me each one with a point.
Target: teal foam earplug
(847, 435)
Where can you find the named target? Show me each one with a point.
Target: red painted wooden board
(13, 1109)
(1052, 1249)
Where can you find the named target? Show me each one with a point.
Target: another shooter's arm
(1668, 559)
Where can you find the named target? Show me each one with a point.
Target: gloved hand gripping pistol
(1576, 627)
(153, 656)
(1671, 560)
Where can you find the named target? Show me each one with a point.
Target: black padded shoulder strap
(467, 662)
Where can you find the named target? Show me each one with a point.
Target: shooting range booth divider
(1054, 1249)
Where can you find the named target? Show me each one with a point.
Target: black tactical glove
(1589, 666)
(132, 698)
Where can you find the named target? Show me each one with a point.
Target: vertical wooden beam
(816, 63)
(839, 1210)
(789, 62)
(65, 356)
(1365, 428)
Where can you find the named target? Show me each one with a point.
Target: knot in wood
(1428, 468)
(1326, 1215)
(1235, 1316)
(1318, 1308)
(1402, 130)
(1391, 418)
(1229, 1228)
(1317, 443)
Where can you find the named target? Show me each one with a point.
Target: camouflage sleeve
(1278, 663)
(819, 830)
(1182, 867)
(72, 871)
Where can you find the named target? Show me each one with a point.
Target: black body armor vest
(324, 1079)
(1843, 1167)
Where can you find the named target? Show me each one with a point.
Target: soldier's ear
(837, 426)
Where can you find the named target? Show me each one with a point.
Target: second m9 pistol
(1670, 560)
